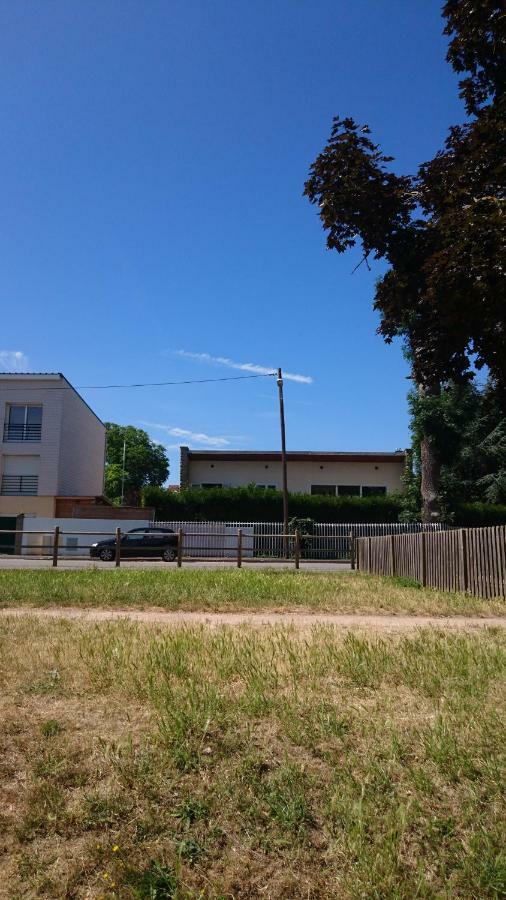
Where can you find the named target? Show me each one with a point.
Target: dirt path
(299, 620)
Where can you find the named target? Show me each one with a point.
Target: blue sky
(153, 159)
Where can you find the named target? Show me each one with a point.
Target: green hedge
(479, 515)
(249, 504)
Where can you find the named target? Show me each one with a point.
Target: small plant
(156, 882)
(286, 799)
(190, 850)
(103, 811)
(45, 685)
(191, 809)
(51, 728)
(402, 582)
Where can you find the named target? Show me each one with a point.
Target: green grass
(243, 762)
(223, 590)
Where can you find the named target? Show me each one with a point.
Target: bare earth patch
(298, 620)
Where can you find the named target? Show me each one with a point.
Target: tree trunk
(430, 466)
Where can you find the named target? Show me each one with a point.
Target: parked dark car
(140, 542)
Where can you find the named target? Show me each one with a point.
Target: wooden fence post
(352, 550)
(56, 541)
(118, 546)
(239, 548)
(369, 564)
(392, 554)
(423, 558)
(180, 548)
(463, 575)
(297, 549)
(357, 545)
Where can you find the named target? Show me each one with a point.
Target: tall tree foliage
(146, 462)
(469, 430)
(442, 231)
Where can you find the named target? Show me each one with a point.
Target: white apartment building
(52, 446)
(341, 474)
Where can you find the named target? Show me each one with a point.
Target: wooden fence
(466, 559)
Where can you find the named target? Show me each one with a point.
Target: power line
(106, 387)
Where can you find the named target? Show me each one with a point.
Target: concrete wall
(30, 506)
(35, 544)
(82, 449)
(301, 475)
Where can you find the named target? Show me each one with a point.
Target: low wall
(41, 544)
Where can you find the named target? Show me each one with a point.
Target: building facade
(52, 445)
(338, 474)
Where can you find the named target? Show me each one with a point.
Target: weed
(190, 850)
(156, 882)
(50, 728)
(191, 809)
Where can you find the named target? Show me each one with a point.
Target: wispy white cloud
(195, 437)
(253, 368)
(13, 361)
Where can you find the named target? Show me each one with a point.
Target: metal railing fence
(233, 542)
(22, 432)
(19, 485)
(328, 540)
(194, 545)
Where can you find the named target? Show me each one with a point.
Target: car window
(133, 537)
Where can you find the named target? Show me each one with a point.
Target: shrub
(250, 504)
(478, 515)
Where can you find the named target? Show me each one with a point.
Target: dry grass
(227, 590)
(240, 763)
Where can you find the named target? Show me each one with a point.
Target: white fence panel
(328, 540)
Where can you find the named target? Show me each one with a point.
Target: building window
(348, 490)
(209, 485)
(20, 485)
(323, 489)
(373, 491)
(266, 487)
(23, 423)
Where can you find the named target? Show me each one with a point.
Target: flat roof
(296, 456)
(48, 376)
(45, 376)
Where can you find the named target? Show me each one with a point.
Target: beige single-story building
(309, 472)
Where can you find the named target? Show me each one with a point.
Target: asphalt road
(16, 562)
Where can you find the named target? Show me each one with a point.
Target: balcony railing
(22, 432)
(16, 485)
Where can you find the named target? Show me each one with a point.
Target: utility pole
(123, 473)
(283, 460)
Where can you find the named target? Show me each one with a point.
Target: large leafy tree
(468, 426)
(442, 231)
(146, 462)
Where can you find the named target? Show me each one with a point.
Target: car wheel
(106, 554)
(169, 554)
